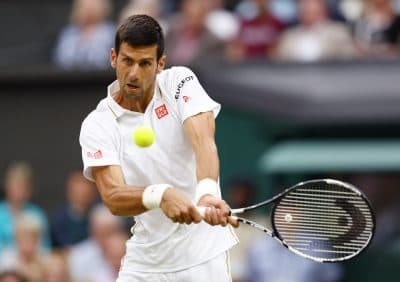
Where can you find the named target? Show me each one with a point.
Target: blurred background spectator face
(90, 12)
(28, 232)
(194, 13)
(18, 184)
(55, 268)
(376, 31)
(103, 225)
(26, 256)
(11, 276)
(115, 249)
(212, 5)
(261, 4)
(95, 259)
(81, 193)
(379, 13)
(379, 4)
(312, 12)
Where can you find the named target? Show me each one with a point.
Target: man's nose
(133, 72)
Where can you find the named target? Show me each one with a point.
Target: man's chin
(133, 95)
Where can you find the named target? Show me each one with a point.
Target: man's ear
(113, 58)
(161, 63)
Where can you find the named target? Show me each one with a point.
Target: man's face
(136, 69)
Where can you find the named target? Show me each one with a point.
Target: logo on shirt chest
(161, 111)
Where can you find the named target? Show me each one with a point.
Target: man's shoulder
(175, 73)
(173, 79)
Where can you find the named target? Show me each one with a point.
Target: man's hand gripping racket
(323, 220)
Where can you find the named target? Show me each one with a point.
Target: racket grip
(202, 211)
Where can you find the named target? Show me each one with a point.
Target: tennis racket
(323, 220)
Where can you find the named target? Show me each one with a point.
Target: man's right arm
(127, 200)
(117, 196)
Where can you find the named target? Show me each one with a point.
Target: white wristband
(152, 195)
(206, 186)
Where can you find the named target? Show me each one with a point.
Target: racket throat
(255, 225)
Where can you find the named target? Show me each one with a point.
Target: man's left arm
(200, 130)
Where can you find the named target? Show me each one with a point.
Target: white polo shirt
(157, 244)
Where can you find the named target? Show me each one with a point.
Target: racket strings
(324, 220)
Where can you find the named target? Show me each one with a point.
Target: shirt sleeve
(190, 96)
(99, 147)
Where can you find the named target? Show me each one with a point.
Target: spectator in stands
(26, 257)
(377, 32)
(151, 8)
(87, 260)
(85, 43)
(55, 268)
(70, 225)
(316, 37)
(11, 276)
(114, 251)
(18, 187)
(259, 32)
(188, 39)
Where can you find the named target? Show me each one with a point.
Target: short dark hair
(140, 30)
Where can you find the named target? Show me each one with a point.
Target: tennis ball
(143, 136)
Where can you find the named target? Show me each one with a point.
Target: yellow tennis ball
(143, 136)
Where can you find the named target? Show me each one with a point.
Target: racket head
(324, 220)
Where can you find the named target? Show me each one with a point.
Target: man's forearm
(207, 162)
(124, 201)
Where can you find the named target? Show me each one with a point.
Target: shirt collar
(114, 107)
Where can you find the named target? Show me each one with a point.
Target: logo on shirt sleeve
(96, 155)
(186, 98)
(181, 84)
(161, 111)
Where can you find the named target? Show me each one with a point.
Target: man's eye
(127, 61)
(145, 63)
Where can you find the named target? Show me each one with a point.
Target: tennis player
(159, 185)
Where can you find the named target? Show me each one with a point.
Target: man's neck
(138, 105)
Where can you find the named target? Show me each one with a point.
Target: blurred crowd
(277, 30)
(81, 241)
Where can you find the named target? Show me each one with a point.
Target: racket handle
(202, 211)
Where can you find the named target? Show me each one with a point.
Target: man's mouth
(132, 86)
